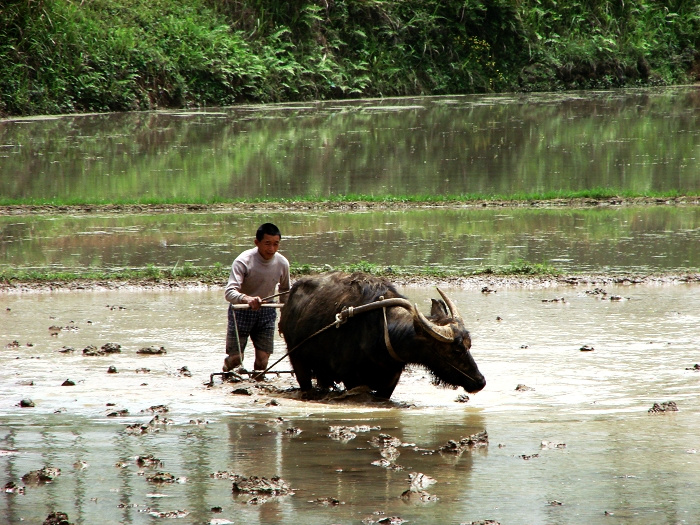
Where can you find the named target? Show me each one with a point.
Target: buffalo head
(443, 346)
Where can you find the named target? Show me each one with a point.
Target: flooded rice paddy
(571, 374)
(634, 140)
(602, 239)
(562, 433)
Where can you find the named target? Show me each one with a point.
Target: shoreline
(301, 205)
(478, 282)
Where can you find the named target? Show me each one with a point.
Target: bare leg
(261, 360)
(231, 362)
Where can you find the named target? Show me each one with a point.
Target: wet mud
(571, 371)
(291, 205)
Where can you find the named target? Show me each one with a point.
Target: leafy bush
(61, 56)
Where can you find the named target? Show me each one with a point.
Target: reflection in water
(631, 140)
(642, 239)
(615, 457)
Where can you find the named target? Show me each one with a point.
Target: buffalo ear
(439, 308)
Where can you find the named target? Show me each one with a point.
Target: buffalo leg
(388, 389)
(303, 375)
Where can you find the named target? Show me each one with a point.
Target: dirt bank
(481, 282)
(30, 209)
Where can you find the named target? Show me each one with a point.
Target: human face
(268, 246)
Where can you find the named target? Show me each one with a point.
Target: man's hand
(253, 302)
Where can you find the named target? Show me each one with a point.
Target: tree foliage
(61, 56)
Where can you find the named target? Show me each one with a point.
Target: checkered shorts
(258, 324)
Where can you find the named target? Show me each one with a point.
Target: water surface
(606, 239)
(632, 140)
(613, 457)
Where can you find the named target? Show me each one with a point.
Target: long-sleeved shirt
(252, 275)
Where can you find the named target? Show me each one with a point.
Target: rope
(334, 323)
(343, 316)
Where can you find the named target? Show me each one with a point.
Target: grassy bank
(591, 195)
(63, 56)
(218, 275)
(517, 273)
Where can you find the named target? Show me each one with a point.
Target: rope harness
(342, 317)
(387, 341)
(350, 311)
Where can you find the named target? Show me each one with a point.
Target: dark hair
(269, 229)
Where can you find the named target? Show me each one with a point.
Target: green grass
(219, 274)
(594, 193)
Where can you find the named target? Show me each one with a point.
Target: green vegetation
(218, 274)
(63, 56)
(593, 194)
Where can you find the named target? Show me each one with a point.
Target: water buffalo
(378, 333)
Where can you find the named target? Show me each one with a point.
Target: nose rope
(465, 375)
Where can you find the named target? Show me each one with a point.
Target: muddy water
(605, 239)
(604, 452)
(632, 140)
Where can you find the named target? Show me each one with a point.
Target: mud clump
(327, 502)
(161, 477)
(389, 450)
(117, 413)
(44, 475)
(12, 488)
(148, 428)
(479, 440)
(91, 350)
(168, 514)
(152, 350)
(57, 518)
(344, 434)
(157, 409)
(148, 461)
(111, 348)
(666, 406)
(107, 348)
(274, 486)
(416, 490)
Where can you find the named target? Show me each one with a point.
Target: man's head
(267, 229)
(267, 239)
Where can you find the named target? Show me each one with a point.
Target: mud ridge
(584, 202)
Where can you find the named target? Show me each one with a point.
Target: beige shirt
(254, 276)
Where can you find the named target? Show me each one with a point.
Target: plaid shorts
(258, 324)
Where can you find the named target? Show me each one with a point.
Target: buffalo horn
(450, 305)
(441, 333)
(350, 311)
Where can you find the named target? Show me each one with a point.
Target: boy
(254, 276)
